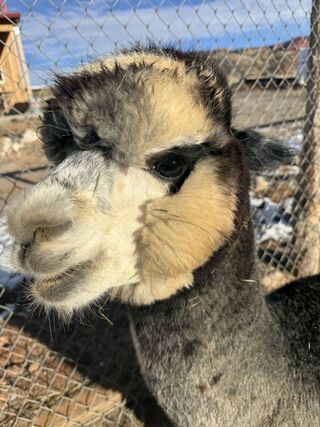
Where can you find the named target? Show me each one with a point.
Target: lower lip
(59, 277)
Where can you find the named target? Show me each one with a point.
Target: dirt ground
(94, 357)
(23, 167)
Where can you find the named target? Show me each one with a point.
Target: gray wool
(220, 354)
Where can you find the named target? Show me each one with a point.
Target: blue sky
(60, 34)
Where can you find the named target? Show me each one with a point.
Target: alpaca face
(145, 190)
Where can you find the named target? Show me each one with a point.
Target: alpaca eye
(171, 167)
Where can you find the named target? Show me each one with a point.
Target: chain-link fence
(86, 373)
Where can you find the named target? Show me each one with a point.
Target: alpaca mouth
(55, 278)
(56, 288)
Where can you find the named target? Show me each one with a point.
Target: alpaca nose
(40, 209)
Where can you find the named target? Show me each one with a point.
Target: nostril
(23, 250)
(24, 246)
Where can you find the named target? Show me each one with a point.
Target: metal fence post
(308, 195)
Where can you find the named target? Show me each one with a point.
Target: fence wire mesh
(86, 374)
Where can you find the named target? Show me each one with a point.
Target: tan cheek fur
(179, 234)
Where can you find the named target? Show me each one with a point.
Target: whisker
(103, 316)
(49, 323)
(96, 185)
(178, 218)
(55, 127)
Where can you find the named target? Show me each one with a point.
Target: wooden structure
(15, 87)
(270, 66)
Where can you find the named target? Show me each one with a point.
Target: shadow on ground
(100, 346)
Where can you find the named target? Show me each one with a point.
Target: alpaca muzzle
(54, 220)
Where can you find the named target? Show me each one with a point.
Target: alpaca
(149, 204)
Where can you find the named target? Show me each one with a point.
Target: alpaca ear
(262, 152)
(55, 132)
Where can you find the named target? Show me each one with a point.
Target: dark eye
(171, 167)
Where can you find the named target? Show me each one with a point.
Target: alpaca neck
(226, 294)
(202, 343)
(224, 301)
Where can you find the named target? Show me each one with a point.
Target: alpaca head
(150, 180)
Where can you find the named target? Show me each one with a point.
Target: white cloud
(55, 40)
